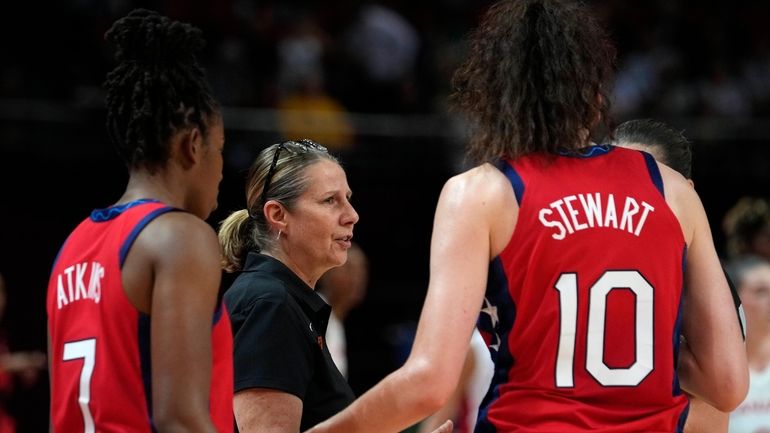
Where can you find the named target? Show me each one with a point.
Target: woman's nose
(350, 216)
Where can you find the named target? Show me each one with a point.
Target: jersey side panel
(221, 401)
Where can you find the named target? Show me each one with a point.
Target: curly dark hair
(535, 80)
(157, 88)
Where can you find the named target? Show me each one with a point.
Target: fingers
(447, 427)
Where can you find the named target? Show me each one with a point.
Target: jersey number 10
(595, 341)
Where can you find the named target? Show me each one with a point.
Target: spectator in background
(305, 107)
(386, 46)
(300, 51)
(722, 92)
(25, 366)
(747, 228)
(343, 288)
(752, 277)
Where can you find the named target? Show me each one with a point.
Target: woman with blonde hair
(297, 224)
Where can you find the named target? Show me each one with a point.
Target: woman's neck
(294, 265)
(154, 186)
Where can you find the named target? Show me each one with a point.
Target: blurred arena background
(370, 81)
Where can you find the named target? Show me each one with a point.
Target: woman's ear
(275, 214)
(190, 146)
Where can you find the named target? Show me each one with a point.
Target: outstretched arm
(451, 408)
(460, 255)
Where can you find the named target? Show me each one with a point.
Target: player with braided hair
(157, 88)
(136, 326)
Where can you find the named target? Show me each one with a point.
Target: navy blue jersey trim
(652, 167)
(218, 314)
(138, 228)
(498, 295)
(58, 253)
(675, 389)
(145, 363)
(106, 214)
(683, 418)
(587, 152)
(513, 177)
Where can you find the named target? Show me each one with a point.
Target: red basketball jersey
(582, 308)
(100, 343)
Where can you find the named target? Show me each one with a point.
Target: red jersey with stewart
(100, 343)
(582, 309)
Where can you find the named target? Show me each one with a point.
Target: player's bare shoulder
(483, 184)
(486, 196)
(179, 234)
(681, 197)
(171, 245)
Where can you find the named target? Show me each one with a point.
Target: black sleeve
(738, 304)
(272, 350)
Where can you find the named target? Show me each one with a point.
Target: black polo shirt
(279, 326)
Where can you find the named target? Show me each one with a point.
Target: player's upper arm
(468, 213)
(680, 197)
(184, 253)
(713, 335)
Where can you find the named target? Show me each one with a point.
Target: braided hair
(535, 79)
(157, 88)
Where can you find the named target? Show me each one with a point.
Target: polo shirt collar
(296, 287)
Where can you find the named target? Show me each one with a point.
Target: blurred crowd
(319, 65)
(676, 58)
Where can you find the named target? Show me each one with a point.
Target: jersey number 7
(85, 350)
